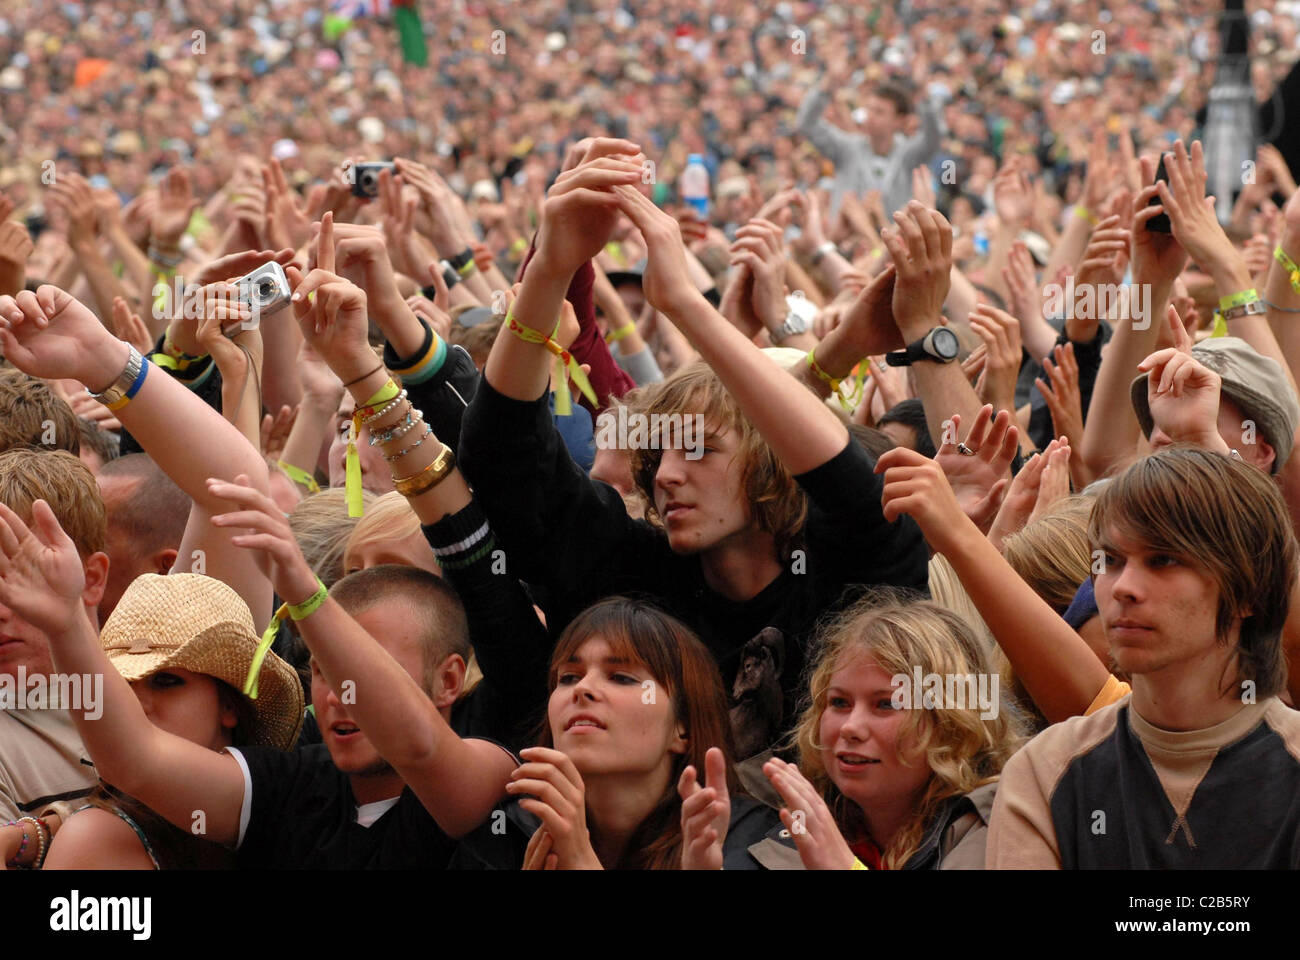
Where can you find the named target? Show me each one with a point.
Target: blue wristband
(139, 379)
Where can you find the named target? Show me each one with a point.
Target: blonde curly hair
(962, 750)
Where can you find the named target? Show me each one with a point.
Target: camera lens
(264, 291)
(369, 179)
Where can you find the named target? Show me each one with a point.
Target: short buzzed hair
(33, 415)
(445, 626)
(65, 483)
(155, 512)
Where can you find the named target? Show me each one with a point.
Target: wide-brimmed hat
(1254, 382)
(197, 623)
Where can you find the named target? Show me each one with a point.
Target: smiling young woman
(895, 788)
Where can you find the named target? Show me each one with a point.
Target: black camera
(365, 178)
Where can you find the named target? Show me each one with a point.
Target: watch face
(945, 343)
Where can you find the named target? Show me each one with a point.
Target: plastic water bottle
(695, 185)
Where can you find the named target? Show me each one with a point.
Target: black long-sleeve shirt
(573, 536)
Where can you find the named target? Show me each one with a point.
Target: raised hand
(667, 282)
(1013, 197)
(1055, 483)
(706, 813)
(287, 223)
(332, 312)
(1000, 333)
(15, 249)
(176, 204)
(51, 335)
(439, 203)
(869, 321)
(267, 535)
(551, 788)
(1063, 397)
(1183, 393)
(72, 194)
(921, 247)
(978, 468)
(1191, 215)
(1106, 256)
(276, 429)
(581, 209)
(758, 247)
(128, 326)
(41, 576)
(1022, 497)
(1158, 258)
(810, 822)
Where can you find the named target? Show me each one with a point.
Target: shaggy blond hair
(962, 750)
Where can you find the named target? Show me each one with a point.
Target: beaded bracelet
(393, 458)
(413, 419)
(21, 846)
(41, 841)
(386, 435)
(384, 410)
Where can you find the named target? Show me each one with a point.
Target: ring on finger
(964, 450)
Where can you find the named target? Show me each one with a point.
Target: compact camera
(266, 290)
(365, 178)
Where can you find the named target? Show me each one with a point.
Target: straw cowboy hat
(199, 624)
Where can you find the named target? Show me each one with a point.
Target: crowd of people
(922, 497)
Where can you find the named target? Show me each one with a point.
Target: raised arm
(1111, 427)
(41, 579)
(458, 781)
(1056, 666)
(49, 334)
(797, 426)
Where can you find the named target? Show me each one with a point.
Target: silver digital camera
(266, 290)
(365, 178)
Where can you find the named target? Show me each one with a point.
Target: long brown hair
(687, 672)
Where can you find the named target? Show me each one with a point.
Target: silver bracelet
(401, 453)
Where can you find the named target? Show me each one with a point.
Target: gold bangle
(429, 477)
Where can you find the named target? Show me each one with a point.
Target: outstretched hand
(332, 312)
(980, 477)
(51, 335)
(41, 576)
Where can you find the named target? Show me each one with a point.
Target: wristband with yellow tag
(566, 365)
(1290, 266)
(1084, 213)
(298, 611)
(827, 379)
(299, 476)
(622, 332)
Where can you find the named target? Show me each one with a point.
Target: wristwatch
(939, 345)
(118, 388)
(821, 251)
(450, 275)
(794, 324)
